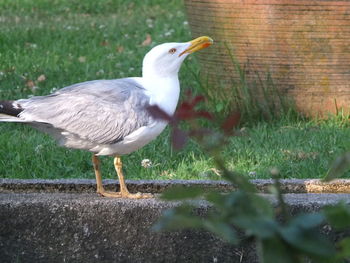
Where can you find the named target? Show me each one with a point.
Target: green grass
(73, 41)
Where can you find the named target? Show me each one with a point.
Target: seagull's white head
(165, 60)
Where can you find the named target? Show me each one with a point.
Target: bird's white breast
(163, 92)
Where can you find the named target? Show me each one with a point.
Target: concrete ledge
(50, 221)
(158, 186)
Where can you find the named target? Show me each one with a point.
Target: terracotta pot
(303, 45)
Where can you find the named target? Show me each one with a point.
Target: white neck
(164, 91)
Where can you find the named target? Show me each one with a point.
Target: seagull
(110, 117)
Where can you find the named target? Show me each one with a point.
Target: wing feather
(101, 111)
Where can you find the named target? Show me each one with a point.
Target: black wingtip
(8, 107)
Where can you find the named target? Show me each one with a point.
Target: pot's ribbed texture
(303, 45)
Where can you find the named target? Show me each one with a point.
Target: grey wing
(102, 111)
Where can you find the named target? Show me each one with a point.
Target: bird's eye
(172, 50)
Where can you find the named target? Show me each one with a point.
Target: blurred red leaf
(191, 102)
(183, 114)
(178, 138)
(205, 115)
(186, 110)
(158, 113)
(230, 123)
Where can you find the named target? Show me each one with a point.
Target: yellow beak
(198, 44)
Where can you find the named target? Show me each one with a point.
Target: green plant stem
(281, 204)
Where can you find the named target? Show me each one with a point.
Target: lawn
(49, 44)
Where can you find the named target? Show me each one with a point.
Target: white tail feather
(8, 118)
